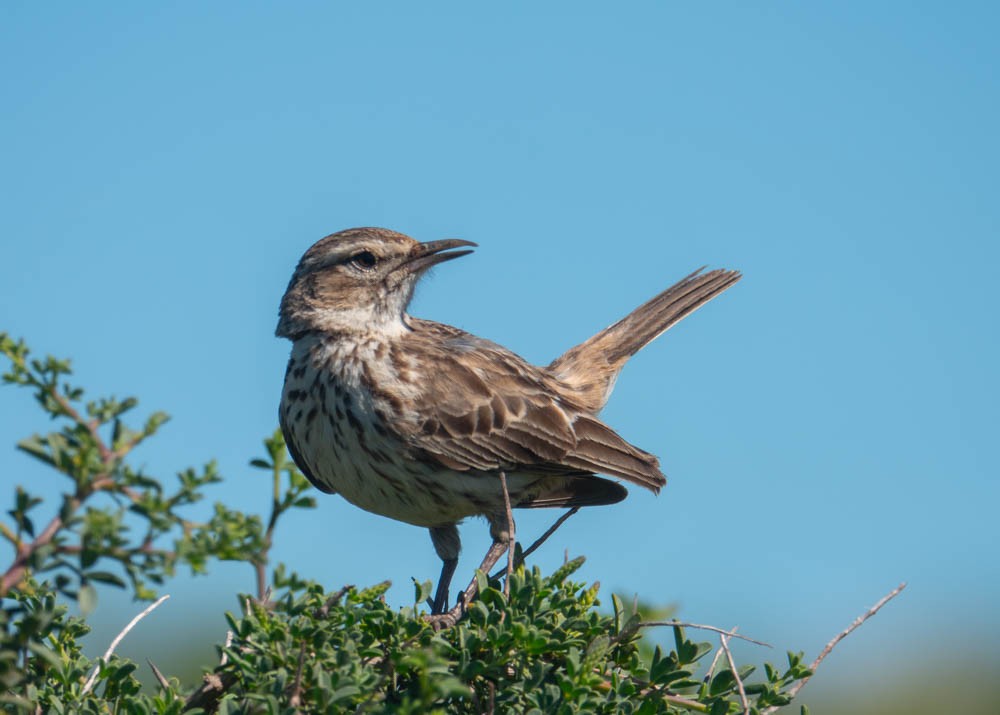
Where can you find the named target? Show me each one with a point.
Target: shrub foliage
(544, 647)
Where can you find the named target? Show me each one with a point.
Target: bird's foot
(440, 621)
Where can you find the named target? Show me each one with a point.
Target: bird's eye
(365, 260)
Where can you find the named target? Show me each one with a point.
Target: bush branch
(794, 690)
(118, 639)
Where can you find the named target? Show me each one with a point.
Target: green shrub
(546, 647)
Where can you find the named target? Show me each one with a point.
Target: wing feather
(487, 409)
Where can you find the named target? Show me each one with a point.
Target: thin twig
(158, 675)
(715, 661)
(548, 532)
(684, 702)
(295, 699)
(332, 601)
(736, 674)
(510, 534)
(229, 642)
(682, 624)
(542, 539)
(794, 690)
(118, 639)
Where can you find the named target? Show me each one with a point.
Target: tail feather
(576, 490)
(591, 367)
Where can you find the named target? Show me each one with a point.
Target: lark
(427, 424)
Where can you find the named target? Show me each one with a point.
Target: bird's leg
(447, 544)
(446, 620)
(440, 603)
(502, 536)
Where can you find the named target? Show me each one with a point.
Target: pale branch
(715, 661)
(118, 639)
(511, 537)
(794, 690)
(229, 642)
(683, 624)
(724, 640)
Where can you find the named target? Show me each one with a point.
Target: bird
(427, 424)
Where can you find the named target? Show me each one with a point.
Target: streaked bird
(417, 420)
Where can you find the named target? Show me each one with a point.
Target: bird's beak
(431, 253)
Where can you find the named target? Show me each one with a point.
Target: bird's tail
(590, 369)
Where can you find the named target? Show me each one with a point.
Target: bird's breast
(348, 408)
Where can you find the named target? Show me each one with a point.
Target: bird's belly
(371, 470)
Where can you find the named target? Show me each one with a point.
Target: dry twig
(683, 624)
(794, 690)
(511, 540)
(542, 539)
(295, 699)
(118, 639)
(158, 675)
(724, 640)
(715, 661)
(229, 642)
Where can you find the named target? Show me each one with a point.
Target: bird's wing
(484, 408)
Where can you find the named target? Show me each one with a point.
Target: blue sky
(828, 426)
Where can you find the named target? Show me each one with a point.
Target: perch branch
(511, 538)
(118, 639)
(724, 640)
(682, 624)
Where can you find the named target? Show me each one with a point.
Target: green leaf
(105, 577)
(421, 590)
(48, 655)
(87, 599)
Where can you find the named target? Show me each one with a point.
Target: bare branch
(229, 642)
(542, 539)
(158, 675)
(295, 699)
(511, 540)
(794, 690)
(15, 573)
(332, 601)
(682, 624)
(118, 639)
(715, 661)
(724, 640)
(548, 532)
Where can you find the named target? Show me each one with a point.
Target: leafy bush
(546, 647)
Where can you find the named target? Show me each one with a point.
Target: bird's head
(358, 280)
